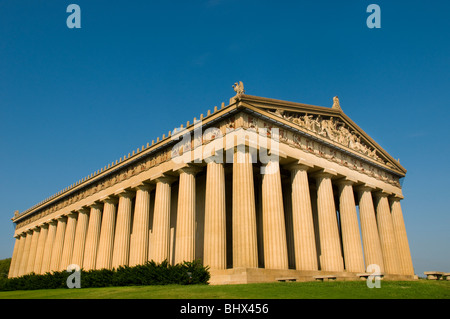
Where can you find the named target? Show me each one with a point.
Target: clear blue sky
(74, 100)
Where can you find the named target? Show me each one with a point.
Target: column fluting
(141, 225)
(161, 221)
(46, 260)
(274, 232)
(121, 252)
(302, 218)
(92, 237)
(18, 263)
(33, 249)
(330, 247)
(26, 253)
(58, 244)
(245, 248)
(106, 242)
(404, 254)
(369, 229)
(386, 233)
(215, 240)
(69, 240)
(351, 238)
(14, 257)
(185, 229)
(40, 249)
(80, 237)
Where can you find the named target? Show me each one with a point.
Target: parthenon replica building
(258, 190)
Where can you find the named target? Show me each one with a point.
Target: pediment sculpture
(332, 128)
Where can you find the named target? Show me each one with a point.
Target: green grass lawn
(421, 289)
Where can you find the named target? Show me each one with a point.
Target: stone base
(260, 275)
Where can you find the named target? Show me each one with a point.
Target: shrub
(150, 273)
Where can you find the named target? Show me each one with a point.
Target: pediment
(328, 124)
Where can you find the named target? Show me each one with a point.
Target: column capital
(365, 188)
(324, 173)
(43, 225)
(61, 218)
(71, 214)
(396, 197)
(125, 193)
(164, 178)
(82, 209)
(189, 169)
(97, 205)
(296, 166)
(345, 181)
(381, 193)
(52, 221)
(110, 199)
(143, 185)
(300, 164)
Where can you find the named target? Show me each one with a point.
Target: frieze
(119, 176)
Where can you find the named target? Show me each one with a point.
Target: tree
(4, 267)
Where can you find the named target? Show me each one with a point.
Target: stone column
(58, 244)
(274, 232)
(33, 249)
(22, 239)
(302, 218)
(215, 240)
(386, 233)
(330, 247)
(46, 260)
(185, 233)
(69, 240)
(40, 249)
(161, 221)
(141, 226)
(369, 229)
(14, 257)
(404, 254)
(351, 238)
(106, 242)
(26, 253)
(80, 237)
(121, 251)
(92, 237)
(245, 248)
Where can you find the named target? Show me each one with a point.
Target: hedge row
(147, 274)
